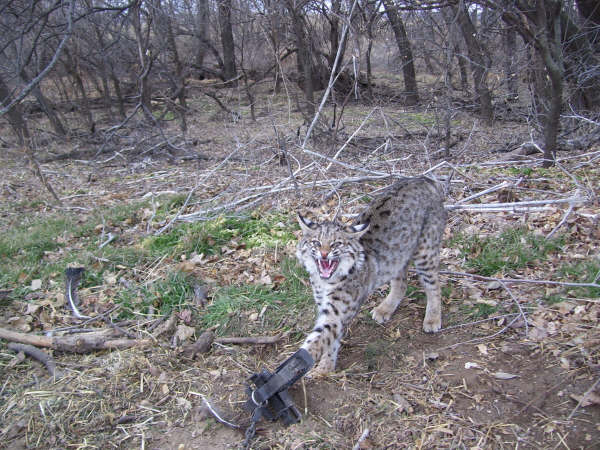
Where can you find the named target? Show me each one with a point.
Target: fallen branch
(38, 355)
(206, 339)
(517, 280)
(202, 344)
(76, 344)
(516, 205)
(502, 185)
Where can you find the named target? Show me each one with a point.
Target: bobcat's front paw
(381, 314)
(317, 374)
(324, 368)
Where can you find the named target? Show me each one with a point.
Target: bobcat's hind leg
(427, 261)
(383, 312)
(433, 312)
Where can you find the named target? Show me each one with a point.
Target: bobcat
(346, 263)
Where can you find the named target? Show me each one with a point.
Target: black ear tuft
(305, 224)
(359, 228)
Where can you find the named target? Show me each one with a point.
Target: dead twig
(487, 319)
(189, 196)
(562, 222)
(252, 340)
(122, 331)
(521, 313)
(583, 398)
(38, 355)
(214, 412)
(361, 439)
(483, 338)
(165, 327)
(85, 322)
(111, 237)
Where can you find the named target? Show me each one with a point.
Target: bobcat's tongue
(327, 267)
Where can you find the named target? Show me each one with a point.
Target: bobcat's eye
(336, 244)
(316, 243)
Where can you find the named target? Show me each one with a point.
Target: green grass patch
(43, 248)
(374, 352)
(232, 305)
(29, 242)
(211, 236)
(514, 248)
(524, 171)
(165, 295)
(553, 299)
(582, 272)
(426, 119)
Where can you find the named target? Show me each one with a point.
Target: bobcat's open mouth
(327, 267)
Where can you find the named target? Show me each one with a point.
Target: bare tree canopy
(143, 59)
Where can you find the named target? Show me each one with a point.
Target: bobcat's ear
(305, 224)
(358, 229)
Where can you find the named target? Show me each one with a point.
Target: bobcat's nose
(324, 254)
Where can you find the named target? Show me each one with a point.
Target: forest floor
(516, 365)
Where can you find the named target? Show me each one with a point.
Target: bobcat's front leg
(323, 344)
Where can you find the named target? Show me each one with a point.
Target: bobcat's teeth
(327, 267)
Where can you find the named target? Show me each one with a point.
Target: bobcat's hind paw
(432, 326)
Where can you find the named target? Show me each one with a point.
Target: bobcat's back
(410, 211)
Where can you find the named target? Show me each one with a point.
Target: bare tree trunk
(15, 115)
(303, 58)
(179, 91)
(462, 67)
(19, 126)
(479, 62)
(334, 31)
(461, 60)
(117, 86)
(275, 13)
(72, 68)
(229, 68)
(551, 51)
(202, 33)
(46, 106)
(370, 15)
(590, 12)
(510, 71)
(408, 67)
(145, 58)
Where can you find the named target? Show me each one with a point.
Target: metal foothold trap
(271, 398)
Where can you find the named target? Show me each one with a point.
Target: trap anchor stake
(271, 398)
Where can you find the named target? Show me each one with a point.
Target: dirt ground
(482, 382)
